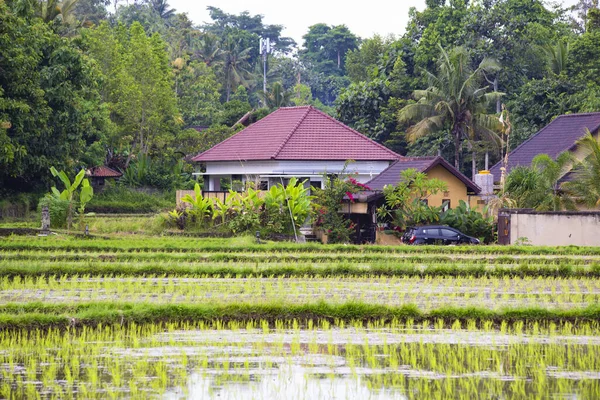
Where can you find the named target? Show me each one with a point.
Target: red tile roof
(103, 172)
(298, 133)
(391, 175)
(558, 136)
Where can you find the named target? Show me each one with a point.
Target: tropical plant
(201, 206)
(234, 62)
(70, 191)
(276, 97)
(539, 186)
(162, 8)
(285, 205)
(406, 203)
(585, 185)
(470, 222)
(454, 100)
(49, 10)
(557, 56)
(328, 202)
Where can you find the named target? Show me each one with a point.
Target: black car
(436, 234)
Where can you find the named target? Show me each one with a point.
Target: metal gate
(503, 227)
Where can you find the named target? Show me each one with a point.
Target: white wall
(556, 229)
(366, 170)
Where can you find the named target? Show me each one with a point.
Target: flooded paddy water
(318, 361)
(178, 318)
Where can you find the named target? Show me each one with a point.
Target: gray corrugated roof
(391, 175)
(558, 136)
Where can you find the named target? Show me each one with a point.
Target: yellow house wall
(456, 189)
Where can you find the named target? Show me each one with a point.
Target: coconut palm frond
(424, 127)
(492, 97)
(415, 112)
(489, 65)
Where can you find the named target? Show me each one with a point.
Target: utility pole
(265, 49)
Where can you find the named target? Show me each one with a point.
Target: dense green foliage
(85, 83)
(470, 222)
(280, 210)
(406, 203)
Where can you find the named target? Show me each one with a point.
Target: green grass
(248, 244)
(41, 315)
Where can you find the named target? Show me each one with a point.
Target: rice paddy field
(174, 318)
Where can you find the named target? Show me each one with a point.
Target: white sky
(364, 18)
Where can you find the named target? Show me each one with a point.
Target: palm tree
(49, 10)
(206, 48)
(454, 100)
(557, 57)
(276, 97)
(162, 8)
(539, 186)
(234, 61)
(586, 183)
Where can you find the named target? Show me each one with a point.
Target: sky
(363, 18)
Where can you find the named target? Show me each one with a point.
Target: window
(431, 232)
(445, 205)
(316, 184)
(447, 233)
(263, 185)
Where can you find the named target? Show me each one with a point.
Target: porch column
(214, 183)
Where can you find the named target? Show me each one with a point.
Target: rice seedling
(228, 318)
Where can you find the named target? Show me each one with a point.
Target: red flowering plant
(356, 187)
(328, 214)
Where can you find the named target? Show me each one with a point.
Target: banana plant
(86, 194)
(201, 206)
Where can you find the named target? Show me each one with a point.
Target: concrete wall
(556, 228)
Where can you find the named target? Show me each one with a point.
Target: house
(558, 136)
(98, 176)
(459, 187)
(300, 142)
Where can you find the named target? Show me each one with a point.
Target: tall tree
(138, 86)
(162, 8)
(50, 111)
(276, 97)
(453, 100)
(234, 64)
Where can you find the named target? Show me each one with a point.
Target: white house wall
(364, 170)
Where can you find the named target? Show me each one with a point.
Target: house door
(503, 227)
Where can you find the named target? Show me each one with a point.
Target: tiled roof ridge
(360, 135)
(542, 130)
(577, 114)
(287, 138)
(433, 161)
(226, 140)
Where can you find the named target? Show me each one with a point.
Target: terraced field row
(176, 318)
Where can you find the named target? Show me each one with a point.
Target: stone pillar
(45, 221)
(486, 182)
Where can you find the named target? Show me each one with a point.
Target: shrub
(58, 208)
(329, 201)
(470, 222)
(404, 203)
